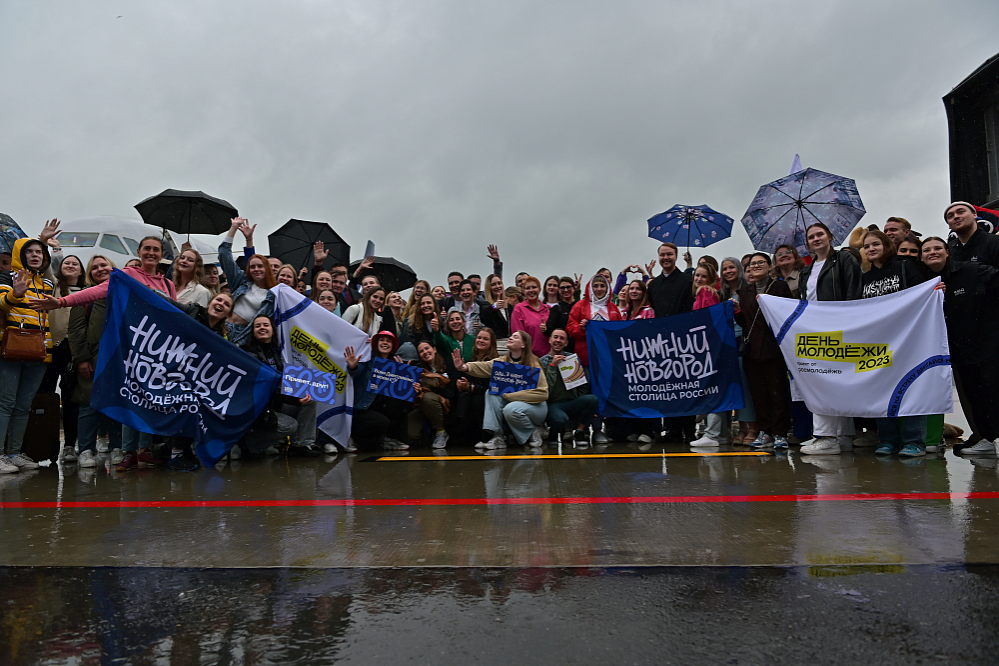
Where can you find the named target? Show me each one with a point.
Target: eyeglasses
(565, 287)
(781, 255)
(757, 264)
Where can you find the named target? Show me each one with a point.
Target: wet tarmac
(617, 555)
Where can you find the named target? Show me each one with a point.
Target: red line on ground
(490, 501)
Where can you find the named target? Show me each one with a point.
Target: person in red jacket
(594, 305)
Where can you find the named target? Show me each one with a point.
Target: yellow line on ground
(543, 456)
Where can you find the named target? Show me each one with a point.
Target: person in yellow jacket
(19, 380)
(523, 412)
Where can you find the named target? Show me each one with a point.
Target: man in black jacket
(671, 293)
(971, 243)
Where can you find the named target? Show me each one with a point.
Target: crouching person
(566, 406)
(522, 412)
(278, 420)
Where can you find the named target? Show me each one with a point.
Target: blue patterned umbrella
(690, 226)
(9, 232)
(783, 209)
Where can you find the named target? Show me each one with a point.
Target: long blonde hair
(197, 275)
(413, 304)
(89, 281)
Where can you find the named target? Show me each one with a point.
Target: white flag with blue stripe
(877, 357)
(314, 338)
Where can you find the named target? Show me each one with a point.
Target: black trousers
(978, 389)
(368, 427)
(59, 367)
(771, 391)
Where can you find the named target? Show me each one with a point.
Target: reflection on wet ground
(701, 615)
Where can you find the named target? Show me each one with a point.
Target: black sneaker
(303, 451)
(581, 436)
(183, 463)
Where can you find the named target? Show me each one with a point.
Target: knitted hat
(960, 203)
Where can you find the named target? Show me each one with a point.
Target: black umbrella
(187, 212)
(391, 273)
(293, 242)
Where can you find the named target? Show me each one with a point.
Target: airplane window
(113, 243)
(133, 245)
(78, 238)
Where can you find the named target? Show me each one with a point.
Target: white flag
(877, 357)
(314, 338)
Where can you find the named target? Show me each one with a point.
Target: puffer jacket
(16, 310)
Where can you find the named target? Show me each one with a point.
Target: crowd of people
(455, 333)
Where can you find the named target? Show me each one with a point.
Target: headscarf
(598, 306)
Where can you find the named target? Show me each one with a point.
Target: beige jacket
(533, 396)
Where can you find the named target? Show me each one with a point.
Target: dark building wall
(972, 115)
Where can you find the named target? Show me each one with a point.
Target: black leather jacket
(840, 280)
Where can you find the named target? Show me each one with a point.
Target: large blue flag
(672, 366)
(162, 372)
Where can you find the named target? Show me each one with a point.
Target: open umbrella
(783, 209)
(293, 242)
(187, 212)
(699, 226)
(9, 232)
(391, 273)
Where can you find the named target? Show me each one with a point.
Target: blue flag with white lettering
(162, 372)
(513, 377)
(393, 379)
(670, 366)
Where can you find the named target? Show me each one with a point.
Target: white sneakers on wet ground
(102, 444)
(600, 438)
(983, 448)
(117, 456)
(394, 445)
(329, 448)
(440, 439)
(822, 446)
(22, 461)
(68, 454)
(703, 441)
(87, 458)
(537, 438)
(496, 442)
(7, 467)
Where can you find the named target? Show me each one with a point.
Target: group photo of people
(454, 327)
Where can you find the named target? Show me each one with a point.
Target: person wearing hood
(374, 414)
(19, 380)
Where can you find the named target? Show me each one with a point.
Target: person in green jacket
(565, 406)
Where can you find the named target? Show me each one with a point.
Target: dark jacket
(86, 325)
(971, 307)
(894, 276)
(559, 318)
(982, 247)
(495, 319)
(760, 344)
(270, 356)
(200, 314)
(839, 280)
(557, 392)
(672, 294)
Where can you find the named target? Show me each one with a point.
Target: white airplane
(118, 238)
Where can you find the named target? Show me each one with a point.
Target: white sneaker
(983, 447)
(703, 441)
(68, 454)
(600, 438)
(6, 466)
(537, 438)
(351, 446)
(235, 453)
(394, 445)
(24, 462)
(821, 446)
(645, 439)
(102, 444)
(273, 451)
(497, 442)
(87, 459)
(440, 439)
(845, 443)
(117, 456)
(329, 448)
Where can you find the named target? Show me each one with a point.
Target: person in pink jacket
(532, 316)
(595, 304)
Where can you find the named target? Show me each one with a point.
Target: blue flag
(511, 377)
(162, 372)
(394, 379)
(671, 366)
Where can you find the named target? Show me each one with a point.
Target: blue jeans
(903, 431)
(90, 422)
(520, 417)
(19, 382)
(133, 440)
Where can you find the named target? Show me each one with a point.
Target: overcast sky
(554, 129)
